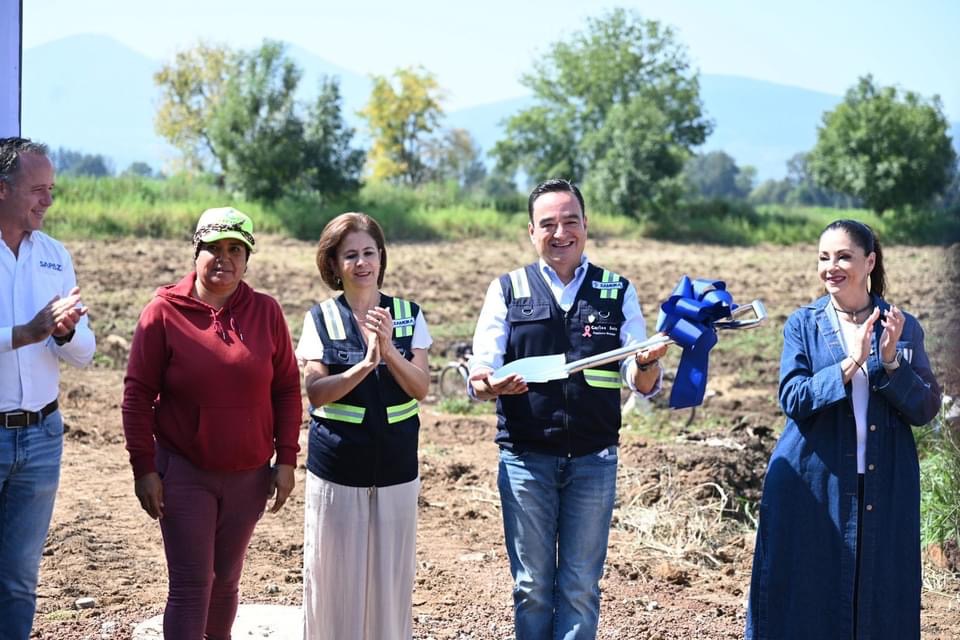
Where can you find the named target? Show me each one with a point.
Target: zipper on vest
(566, 418)
(566, 385)
(380, 435)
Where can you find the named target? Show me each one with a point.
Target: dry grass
(679, 525)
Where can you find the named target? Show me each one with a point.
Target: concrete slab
(254, 621)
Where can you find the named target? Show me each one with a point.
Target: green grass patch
(738, 223)
(755, 352)
(664, 425)
(938, 446)
(88, 207)
(465, 407)
(135, 206)
(61, 614)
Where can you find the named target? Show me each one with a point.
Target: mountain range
(93, 94)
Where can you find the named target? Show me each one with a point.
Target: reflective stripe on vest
(403, 319)
(521, 287)
(332, 320)
(602, 379)
(354, 414)
(342, 412)
(611, 291)
(399, 412)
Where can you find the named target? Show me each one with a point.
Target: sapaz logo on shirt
(54, 266)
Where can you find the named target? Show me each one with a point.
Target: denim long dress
(806, 552)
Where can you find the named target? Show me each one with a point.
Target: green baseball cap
(224, 222)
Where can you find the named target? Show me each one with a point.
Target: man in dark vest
(558, 440)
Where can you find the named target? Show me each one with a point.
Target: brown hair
(334, 233)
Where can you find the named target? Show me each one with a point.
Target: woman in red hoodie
(212, 392)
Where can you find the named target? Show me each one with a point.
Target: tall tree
(192, 88)
(76, 163)
(716, 175)
(237, 112)
(455, 155)
(887, 147)
(950, 198)
(617, 108)
(330, 165)
(141, 169)
(401, 114)
(805, 190)
(256, 128)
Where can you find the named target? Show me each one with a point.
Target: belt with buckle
(17, 419)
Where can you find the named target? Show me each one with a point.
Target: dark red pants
(208, 519)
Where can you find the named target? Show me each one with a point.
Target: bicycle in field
(452, 379)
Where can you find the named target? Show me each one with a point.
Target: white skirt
(359, 560)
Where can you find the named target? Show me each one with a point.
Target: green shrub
(939, 449)
(87, 207)
(922, 226)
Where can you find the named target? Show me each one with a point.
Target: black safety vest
(581, 414)
(368, 438)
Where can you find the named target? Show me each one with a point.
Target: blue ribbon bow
(687, 317)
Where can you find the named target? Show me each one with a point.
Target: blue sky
(478, 50)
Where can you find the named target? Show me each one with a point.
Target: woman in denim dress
(838, 547)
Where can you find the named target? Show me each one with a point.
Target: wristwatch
(893, 364)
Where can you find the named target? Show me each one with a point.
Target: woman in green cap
(211, 395)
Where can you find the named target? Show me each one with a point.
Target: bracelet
(859, 365)
(894, 364)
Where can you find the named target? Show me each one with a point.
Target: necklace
(853, 314)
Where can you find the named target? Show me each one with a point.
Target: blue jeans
(556, 521)
(29, 475)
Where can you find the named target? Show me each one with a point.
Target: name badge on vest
(606, 286)
(404, 322)
(592, 328)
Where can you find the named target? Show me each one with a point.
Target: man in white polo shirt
(42, 320)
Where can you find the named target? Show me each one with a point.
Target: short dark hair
(10, 151)
(334, 233)
(553, 185)
(865, 238)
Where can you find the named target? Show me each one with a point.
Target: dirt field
(682, 539)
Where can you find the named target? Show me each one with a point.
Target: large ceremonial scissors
(556, 367)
